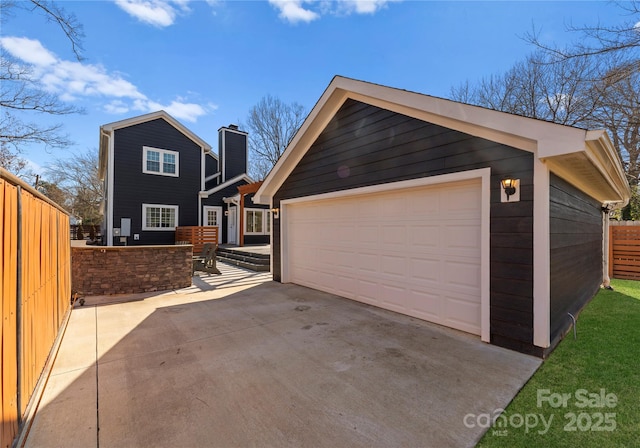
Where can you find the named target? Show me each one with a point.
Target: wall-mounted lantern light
(510, 189)
(275, 212)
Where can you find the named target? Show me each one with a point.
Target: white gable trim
(154, 116)
(545, 139)
(206, 194)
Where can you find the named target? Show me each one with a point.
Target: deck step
(245, 264)
(248, 260)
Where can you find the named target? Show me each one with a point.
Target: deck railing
(197, 235)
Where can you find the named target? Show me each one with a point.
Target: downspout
(110, 188)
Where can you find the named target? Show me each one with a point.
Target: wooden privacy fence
(197, 235)
(35, 263)
(624, 251)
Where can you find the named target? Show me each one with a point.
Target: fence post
(611, 242)
(19, 307)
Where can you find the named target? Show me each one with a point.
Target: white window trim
(158, 229)
(265, 216)
(146, 149)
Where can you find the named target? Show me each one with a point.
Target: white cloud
(160, 13)
(33, 166)
(28, 50)
(365, 6)
(73, 80)
(295, 11)
(117, 107)
(292, 11)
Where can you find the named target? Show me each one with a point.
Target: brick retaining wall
(100, 270)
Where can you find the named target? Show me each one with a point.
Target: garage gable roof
(584, 158)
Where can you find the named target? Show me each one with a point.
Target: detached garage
(474, 219)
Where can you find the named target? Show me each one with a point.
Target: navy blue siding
(576, 253)
(132, 187)
(211, 168)
(216, 200)
(376, 146)
(234, 156)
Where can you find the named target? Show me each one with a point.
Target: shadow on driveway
(268, 365)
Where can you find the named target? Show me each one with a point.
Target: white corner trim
(202, 170)
(485, 257)
(271, 242)
(110, 187)
(223, 157)
(484, 174)
(541, 256)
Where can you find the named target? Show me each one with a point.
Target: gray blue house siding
(365, 145)
(132, 187)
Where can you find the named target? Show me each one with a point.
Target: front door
(213, 217)
(232, 226)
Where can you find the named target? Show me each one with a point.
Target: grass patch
(606, 356)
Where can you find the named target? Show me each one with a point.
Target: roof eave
(154, 116)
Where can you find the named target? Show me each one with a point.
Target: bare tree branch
(78, 178)
(271, 126)
(67, 22)
(22, 96)
(599, 40)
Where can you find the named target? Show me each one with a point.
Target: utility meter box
(125, 226)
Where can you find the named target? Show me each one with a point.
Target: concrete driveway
(238, 360)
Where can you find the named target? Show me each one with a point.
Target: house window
(256, 221)
(159, 217)
(160, 161)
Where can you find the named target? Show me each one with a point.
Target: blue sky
(208, 62)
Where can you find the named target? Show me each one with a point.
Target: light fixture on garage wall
(275, 212)
(510, 189)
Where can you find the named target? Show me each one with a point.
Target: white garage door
(414, 251)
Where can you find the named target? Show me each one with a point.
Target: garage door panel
(393, 235)
(393, 265)
(462, 314)
(425, 268)
(368, 292)
(367, 262)
(368, 234)
(461, 200)
(424, 235)
(393, 297)
(425, 304)
(463, 236)
(414, 251)
(463, 274)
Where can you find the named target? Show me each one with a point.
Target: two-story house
(159, 175)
